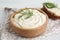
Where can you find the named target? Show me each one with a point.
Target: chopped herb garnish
(20, 16)
(28, 13)
(50, 5)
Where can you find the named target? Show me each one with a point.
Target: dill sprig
(27, 12)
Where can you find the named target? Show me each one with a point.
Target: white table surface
(29, 3)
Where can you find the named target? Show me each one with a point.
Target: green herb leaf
(50, 5)
(20, 16)
(28, 13)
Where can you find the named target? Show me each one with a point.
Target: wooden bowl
(28, 32)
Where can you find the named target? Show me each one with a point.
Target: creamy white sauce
(34, 21)
(56, 11)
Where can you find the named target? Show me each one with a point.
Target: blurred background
(25, 3)
(29, 4)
